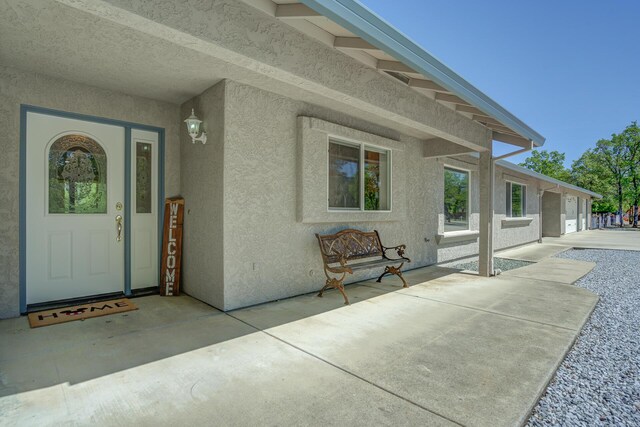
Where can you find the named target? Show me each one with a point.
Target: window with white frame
(456, 200)
(359, 177)
(516, 200)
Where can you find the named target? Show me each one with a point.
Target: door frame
(128, 126)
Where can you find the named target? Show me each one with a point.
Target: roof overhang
(411, 64)
(515, 168)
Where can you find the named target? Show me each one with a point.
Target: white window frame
(509, 203)
(468, 172)
(362, 146)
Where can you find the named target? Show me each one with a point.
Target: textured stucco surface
(19, 87)
(202, 178)
(551, 214)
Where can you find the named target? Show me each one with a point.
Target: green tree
(630, 140)
(612, 154)
(590, 172)
(550, 163)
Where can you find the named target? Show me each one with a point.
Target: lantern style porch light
(193, 127)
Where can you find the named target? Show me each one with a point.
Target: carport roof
(541, 177)
(352, 28)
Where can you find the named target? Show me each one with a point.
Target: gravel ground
(503, 264)
(599, 381)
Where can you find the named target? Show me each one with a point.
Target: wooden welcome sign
(171, 246)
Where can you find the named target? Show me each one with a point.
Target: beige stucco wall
(18, 87)
(269, 254)
(202, 178)
(551, 214)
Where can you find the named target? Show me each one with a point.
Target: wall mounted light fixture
(193, 127)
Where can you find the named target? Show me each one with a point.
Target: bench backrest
(350, 245)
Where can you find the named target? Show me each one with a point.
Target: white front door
(75, 183)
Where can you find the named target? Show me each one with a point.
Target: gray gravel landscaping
(599, 381)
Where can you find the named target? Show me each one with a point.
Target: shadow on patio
(161, 328)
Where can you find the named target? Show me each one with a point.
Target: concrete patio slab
(510, 296)
(534, 252)
(610, 238)
(473, 367)
(453, 348)
(208, 369)
(557, 270)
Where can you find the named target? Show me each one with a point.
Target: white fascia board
(358, 19)
(515, 168)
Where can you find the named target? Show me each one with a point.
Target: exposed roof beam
(295, 11)
(438, 147)
(470, 109)
(396, 66)
(502, 129)
(451, 98)
(353, 43)
(426, 84)
(511, 139)
(487, 120)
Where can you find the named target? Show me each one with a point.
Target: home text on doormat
(79, 312)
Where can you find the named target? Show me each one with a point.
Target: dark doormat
(80, 312)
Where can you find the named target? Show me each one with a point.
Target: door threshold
(72, 301)
(143, 292)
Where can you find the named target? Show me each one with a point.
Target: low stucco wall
(18, 87)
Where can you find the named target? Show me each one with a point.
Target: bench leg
(344, 295)
(336, 284)
(386, 271)
(396, 271)
(326, 286)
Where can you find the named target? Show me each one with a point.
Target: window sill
(457, 236)
(516, 222)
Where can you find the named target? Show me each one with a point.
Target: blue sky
(569, 69)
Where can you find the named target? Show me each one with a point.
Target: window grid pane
(516, 200)
(456, 200)
(344, 176)
(376, 181)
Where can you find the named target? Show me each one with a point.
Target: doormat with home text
(79, 312)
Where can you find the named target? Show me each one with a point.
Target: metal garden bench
(352, 250)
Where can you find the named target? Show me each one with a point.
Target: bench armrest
(399, 250)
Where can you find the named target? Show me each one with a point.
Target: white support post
(487, 179)
(540, 219)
